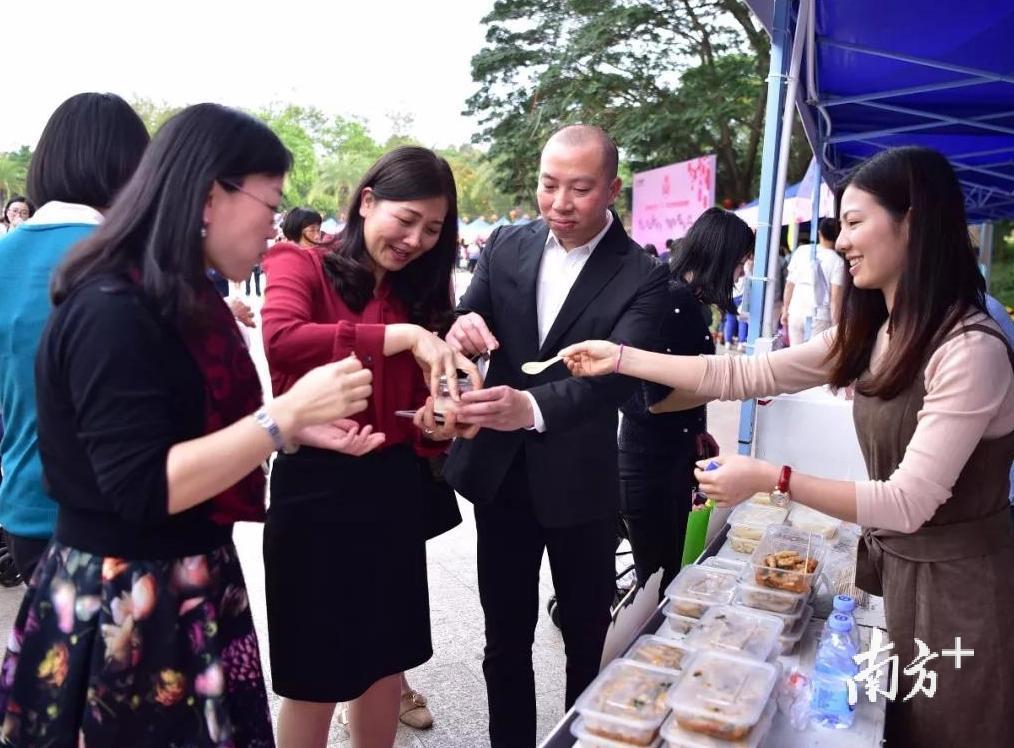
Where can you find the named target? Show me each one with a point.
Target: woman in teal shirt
(88, 149)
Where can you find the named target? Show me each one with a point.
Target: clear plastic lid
(676, 737)
(629, 695)
(659, 651)
(579, 729)
(788, 559)
(763, 498)
(749, 520)
(697, 588)
(810, 520)
(723, 695)
(738, 630)
(722, 562)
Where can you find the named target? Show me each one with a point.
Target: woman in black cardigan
(657, 452)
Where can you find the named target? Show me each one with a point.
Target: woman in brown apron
(934, 413)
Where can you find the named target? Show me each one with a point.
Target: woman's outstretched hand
(592, 358)
(343, 435)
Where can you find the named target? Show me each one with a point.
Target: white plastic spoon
(537, 367)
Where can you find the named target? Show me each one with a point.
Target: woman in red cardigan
(344, 552)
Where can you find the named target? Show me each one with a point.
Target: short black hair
(828, 229)
(296, 220)
(90, 147)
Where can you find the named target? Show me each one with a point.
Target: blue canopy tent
(867, 75)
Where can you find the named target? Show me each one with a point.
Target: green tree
(153, 113)
(13, 171)
(669, 79)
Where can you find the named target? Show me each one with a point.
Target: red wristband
(783, 479)
(619, 357)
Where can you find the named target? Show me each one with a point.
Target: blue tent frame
(866, 75)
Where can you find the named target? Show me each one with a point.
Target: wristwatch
(780, 496)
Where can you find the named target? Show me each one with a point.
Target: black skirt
(345, 572)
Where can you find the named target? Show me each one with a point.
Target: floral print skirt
(111, 652)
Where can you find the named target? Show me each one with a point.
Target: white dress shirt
(558, 271)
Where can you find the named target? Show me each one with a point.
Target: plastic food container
(749, 521)
(727, 564)
(660, 652)
(678, 625)
(627, 702)
(810, 520)
(780, 603)
(723, 696)
(788, 559)
(676, 737)
(737, 630)
(790, 639)
(697, 588)
(579, 730)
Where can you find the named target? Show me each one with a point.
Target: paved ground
(452, 680)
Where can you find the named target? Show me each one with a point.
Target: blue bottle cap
(712, 466)
(844, 603)
(840, 623)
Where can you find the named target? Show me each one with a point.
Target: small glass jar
(444, 404)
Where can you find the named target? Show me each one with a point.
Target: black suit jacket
(619, 295)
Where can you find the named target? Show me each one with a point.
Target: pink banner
(669, 199)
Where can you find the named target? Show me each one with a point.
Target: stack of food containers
(723, 700)
(626, 705)
(810, 520)
(694, 590)
(779, 578)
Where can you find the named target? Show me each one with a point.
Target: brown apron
(954, 576)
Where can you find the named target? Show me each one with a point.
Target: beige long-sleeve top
(969, 396)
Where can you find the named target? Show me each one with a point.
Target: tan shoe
(414, 711)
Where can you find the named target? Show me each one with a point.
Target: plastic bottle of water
(832, 671)
(843, 605)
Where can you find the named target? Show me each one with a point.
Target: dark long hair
(940, 282)
(424, 285)
(90, 147)
(710, 253)
(154, 226)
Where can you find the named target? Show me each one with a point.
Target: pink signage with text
(669, 199)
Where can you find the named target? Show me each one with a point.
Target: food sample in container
(810, 520)
(723, 695)
(697, 588)
(792, 636)
(749, 521)
(738, 630)
(787, 559)
(627, 702)
(724, 563)
(743, 545)
(658, 652)
(769, 600)
(761, 497)
(579, 729)
(677, 737)
(677, 625)
(443, 403)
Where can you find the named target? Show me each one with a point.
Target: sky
(349, 57)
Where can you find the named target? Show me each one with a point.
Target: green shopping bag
(697, 534)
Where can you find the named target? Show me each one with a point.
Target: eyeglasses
(262, 201)
(23, 212)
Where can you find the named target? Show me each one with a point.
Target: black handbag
(440, 505)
